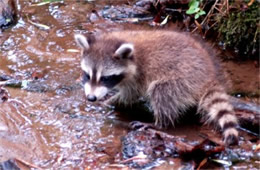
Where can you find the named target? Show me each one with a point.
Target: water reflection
(49, 123)
(54, 127)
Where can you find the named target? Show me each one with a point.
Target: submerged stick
(247, 113)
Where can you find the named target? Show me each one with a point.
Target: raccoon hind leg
(215, 108)
(168, 99)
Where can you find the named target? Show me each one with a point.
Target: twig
(141, 155)
(210, 27)
(219, 10)
(203, 162)
(227, 11)
(209, 13)
(27, 163)
(248, 131)
(256, 32)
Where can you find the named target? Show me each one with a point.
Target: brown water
(57, 128)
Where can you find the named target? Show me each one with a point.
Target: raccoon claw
(231, 140)
(109, 106)
(136, 125)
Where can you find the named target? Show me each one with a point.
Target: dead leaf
(202, 163)
(38, 75)
(165, 20)
(141, 155)
(72, 50)
(3, 95)
(257, 148)
(223, 162)
(251, 2)
(198, 26)
(28, 163)
(41, 26)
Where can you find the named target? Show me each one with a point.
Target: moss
(240, 30)
(235, 22)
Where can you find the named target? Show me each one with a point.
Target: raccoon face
(106, 65)
(99, 85)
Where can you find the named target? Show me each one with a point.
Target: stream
(46, 120)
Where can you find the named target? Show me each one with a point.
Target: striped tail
(220, 112)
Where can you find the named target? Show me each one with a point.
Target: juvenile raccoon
(171, 70)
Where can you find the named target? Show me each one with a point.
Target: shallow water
(52, 125)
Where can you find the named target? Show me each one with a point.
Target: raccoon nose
(91, 98)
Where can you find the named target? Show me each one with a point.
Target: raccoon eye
(85, 77)
(105, 78)
(111, 81)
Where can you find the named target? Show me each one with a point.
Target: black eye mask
(85, 77)
(111, 81)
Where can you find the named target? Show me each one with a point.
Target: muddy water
(53, 126)
(56, 128)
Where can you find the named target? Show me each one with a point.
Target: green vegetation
(235, 23)
(240, 28)
(194, 8)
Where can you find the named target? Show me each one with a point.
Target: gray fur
(173, 72)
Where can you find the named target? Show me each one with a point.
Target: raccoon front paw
(231, 137)
(111, 101)
(136, 125)
(231, 140)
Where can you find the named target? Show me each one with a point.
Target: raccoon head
(107, 65)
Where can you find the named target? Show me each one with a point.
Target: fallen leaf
(117, 166)
(46, 2)
(72, 50)
(257, 148)
(37, 75)
(223, 162)
(251, 2)
(4, 95)
(141, 155)
(198, 25)
(202, 163)
(41, 26)
(165, 20)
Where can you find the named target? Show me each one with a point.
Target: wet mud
(45, 120)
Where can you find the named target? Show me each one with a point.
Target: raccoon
(170, 70)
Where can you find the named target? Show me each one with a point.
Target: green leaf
(194, 4)
(197, 16)
(193, 7)
(197, 10)
(201, 12)
(192, 10)
(8, 20)
(192, 1)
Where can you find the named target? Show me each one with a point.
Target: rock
(9, 165)
(8, 13)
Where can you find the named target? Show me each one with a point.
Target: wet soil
(245, 78)
(53, 126)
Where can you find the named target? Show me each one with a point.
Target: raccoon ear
(125, 50)
(82, 41)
